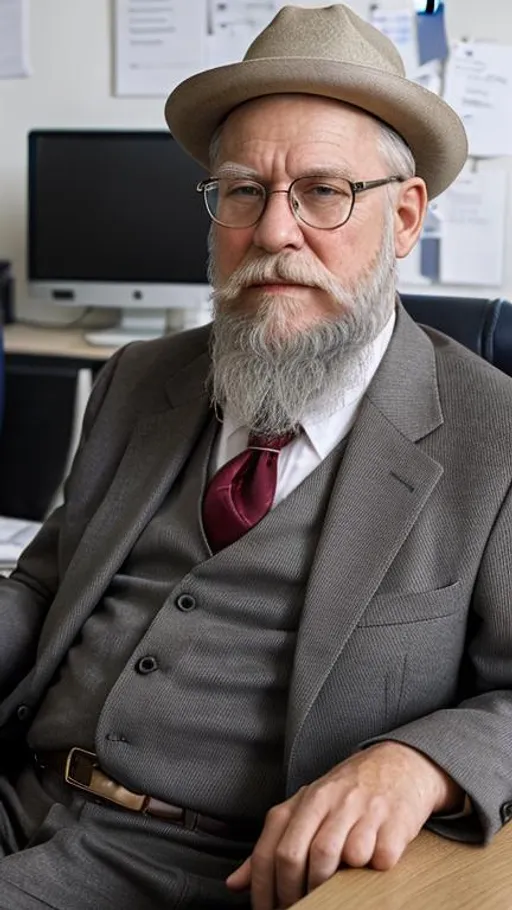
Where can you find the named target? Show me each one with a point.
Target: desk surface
(433, 874)
(25, 339)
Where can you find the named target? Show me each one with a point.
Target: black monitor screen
(114, 206)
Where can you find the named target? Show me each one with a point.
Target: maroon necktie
(242, 492)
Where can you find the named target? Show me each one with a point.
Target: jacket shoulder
(466, 377)
(172, 352)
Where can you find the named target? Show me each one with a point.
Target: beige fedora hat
(334, 53)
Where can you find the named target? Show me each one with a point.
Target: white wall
(71, 51)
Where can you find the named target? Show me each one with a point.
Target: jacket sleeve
(472, 741)
(27, 594)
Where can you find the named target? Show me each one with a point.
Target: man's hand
(366, 810)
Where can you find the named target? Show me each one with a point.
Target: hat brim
(431, 128)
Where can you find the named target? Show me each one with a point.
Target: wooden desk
(49, 342)
(433, 874)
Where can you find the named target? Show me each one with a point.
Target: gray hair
(395, 152)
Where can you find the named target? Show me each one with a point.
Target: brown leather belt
(80, 769)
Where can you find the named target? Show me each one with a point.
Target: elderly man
(269, 632)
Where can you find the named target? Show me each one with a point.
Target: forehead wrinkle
(231, 169)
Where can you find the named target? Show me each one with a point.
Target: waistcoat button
(147, 664)
(24, 713)
(186, 602)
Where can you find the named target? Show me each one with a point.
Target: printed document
(399, 25)
(479, 87)
(232, 25)
(158, 44)
(473, 229)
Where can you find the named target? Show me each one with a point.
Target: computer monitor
(114, 220)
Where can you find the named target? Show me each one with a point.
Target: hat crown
(332, 33)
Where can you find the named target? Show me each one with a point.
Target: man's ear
(410, 210)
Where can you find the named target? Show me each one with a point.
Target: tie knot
(270, 443)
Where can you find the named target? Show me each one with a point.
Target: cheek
(347, 252)
(230, 248)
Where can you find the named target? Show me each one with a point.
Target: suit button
(24, 713)
(147, 664)
(506, 812)
(186, 602)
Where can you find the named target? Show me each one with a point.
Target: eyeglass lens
(322, 202)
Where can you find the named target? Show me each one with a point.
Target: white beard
(271, 378)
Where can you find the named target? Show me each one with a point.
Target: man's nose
(277, 228)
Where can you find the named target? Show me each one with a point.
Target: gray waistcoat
(179, 680)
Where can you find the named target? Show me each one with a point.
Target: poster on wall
(158, 43)
(14, 40)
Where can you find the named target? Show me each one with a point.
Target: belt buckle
(74, 755)
(97, 783)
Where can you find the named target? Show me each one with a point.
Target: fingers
(266, 860)
(310, 847)
(240, 879)
(340, 841)
(294, 851)
(374, 839)
(392, 839)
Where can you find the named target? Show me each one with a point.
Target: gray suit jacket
(406, 631)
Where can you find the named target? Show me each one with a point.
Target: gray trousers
(61, 851)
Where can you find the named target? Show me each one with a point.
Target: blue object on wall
(432, 40)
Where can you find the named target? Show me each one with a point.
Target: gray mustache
(267, 271)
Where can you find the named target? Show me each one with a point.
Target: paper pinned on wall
(233, 25)
(399, 25)
(158, 44)
(479, 87)
(14, 40)
(430, 76)
(473, 213)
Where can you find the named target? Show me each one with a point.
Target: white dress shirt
(322, 432)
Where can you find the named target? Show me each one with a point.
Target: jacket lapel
(381, 488)
(156, 452)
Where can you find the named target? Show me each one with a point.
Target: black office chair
(483, 326)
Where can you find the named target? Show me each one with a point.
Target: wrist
(451, 795)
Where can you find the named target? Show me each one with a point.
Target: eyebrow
(231, 169)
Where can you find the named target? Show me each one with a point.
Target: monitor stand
(141, 324)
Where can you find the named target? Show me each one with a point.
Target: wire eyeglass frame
(356, 187)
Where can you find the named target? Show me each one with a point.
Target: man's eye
(244, 191)
(321, 189)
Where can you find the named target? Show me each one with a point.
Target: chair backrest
(483, 326)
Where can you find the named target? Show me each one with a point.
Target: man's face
(275, 140)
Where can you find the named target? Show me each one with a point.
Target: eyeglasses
(321, 202)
